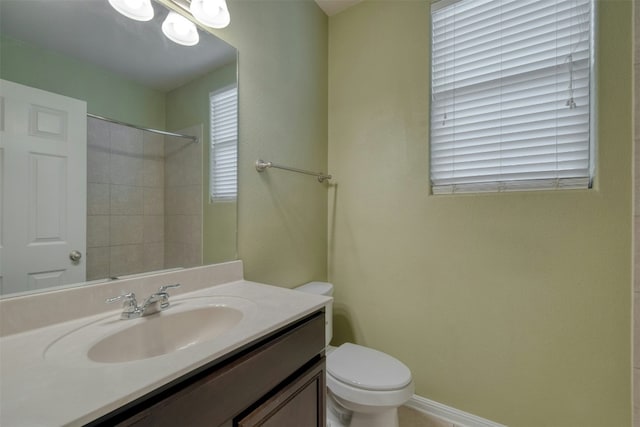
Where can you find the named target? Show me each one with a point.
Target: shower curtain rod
(161, 132)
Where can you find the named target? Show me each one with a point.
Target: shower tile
(153, 145)
(636, 253)
(126, 229)
(636, 401)
(153, 256)
(184, 200)
(126, 140)
(636, 44)
(182, 255)
(126, 200)
(636, 331)
(98, 169)
(184, 229)
(97, 199)
(97, 263)
(126, 259)
(154, 201)
(153, 173)
(153, 228)
(98, 134)
(183, 164)
(636, 172)
(126, 169)
(636, 98)
(97, 231)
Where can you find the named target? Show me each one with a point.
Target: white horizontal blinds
(224, 144)
(510, 95)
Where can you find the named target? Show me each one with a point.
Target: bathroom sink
(185, 324)
(165, 332)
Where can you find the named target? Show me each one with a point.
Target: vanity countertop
(36, 390)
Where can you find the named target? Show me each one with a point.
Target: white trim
(447, 413)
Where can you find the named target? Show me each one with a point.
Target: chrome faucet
(156, 302)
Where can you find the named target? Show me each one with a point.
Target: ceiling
(95, 33)
(332, 7)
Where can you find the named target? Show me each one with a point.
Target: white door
(43, 188)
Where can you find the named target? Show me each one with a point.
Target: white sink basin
(165, 333)
(185, 324)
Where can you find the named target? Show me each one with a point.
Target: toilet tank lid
(317, 288)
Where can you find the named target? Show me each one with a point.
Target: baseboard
(447, 413)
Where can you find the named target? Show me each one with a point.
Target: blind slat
(224, 144)
(511, 83)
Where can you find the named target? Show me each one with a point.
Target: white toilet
(365, 386)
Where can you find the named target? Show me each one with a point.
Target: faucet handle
(130, 305)
(129, 300)
(165, 287)
(164, 301)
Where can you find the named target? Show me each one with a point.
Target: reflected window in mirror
(224, 144)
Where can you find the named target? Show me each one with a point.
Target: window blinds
(224, 144)
(511, 95)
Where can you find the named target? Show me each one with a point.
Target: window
(511, 101)
(223, 175)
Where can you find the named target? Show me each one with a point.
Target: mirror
(143, 199)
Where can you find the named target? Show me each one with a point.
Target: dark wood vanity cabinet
(279, 381)
(299, 403)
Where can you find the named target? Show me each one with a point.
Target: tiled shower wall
(636, 217)
(183, 200)
(144, 200)
(125, 200)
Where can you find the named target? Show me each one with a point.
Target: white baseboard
(447, 413)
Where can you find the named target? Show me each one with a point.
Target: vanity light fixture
(212, 13)
(180, 30)
(140, 10)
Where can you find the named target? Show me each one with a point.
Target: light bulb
(133, 4)
(211, 8)
(180, 30)
(212, 13)
(139, 10)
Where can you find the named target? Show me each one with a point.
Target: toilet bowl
(365, 386)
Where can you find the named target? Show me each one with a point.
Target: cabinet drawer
(301, 403)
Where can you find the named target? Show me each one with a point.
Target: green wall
(187, 106)
(282, 216)
(107, 94)
(514, 307)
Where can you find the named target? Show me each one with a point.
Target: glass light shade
(140, 10)
(212, 13)
(180, 30)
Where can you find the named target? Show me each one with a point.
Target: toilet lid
(366, 368)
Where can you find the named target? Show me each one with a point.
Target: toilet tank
(326, 289)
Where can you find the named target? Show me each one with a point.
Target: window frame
(212, 147)
(527, 185)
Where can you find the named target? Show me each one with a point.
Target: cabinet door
(301, 403)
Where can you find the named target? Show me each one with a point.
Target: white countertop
(43, 391)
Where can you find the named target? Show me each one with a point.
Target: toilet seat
(364, 368)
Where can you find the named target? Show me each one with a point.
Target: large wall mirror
(94, 185)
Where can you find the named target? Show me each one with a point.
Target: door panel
(42, 188)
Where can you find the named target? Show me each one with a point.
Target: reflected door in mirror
(43, 169)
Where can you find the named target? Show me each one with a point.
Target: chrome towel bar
(261, 165)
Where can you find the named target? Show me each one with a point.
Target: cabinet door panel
(301, 403)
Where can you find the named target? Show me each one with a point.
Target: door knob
(75, 256)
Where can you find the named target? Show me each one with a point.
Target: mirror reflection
(117, 145)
